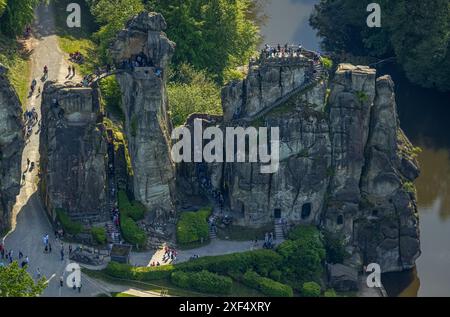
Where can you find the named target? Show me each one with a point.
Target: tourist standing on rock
(61, 281)
(38, 273)
(73, 71)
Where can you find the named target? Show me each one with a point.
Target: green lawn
(77, 39)
(13, 56)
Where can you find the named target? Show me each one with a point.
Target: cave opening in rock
(374, 213)
(340, 220)
(277, 213)
(306, 210)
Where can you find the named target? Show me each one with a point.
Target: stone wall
(11, 147)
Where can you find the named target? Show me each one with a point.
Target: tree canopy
(416, 32)
(16, 282)
(15, 15)
(212, 35)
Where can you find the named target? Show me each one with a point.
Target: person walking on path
(62, 254)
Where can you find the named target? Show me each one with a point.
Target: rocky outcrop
(145, 107)
(11, 147)
(73, 153)
(347, 168)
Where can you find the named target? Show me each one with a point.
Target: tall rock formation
(346, 167)
(11, 147)
(73, 153)
(145, 105)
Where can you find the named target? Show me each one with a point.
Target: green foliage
(145, 274)
(416, 32)
(335, 248)
(266, 285)
(2, 7)
(112, 97)
(17, 282)
(211, 34)
(193, 226)
(203, 281)
(112, 16)
(135, 210)
(410, 188)
(260, 261)
(99, 235)
(327, 62)
(17, 61)
(16, 15)
(192, 91)
(303, 255)
(68, 224)
(132, 233)
(310, 289)
(330, 293)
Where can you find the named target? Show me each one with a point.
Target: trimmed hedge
(126, 271)
(310, 289)
(68, 224)
(261, 261)
(193, 226)
(266, 285)
(99, 235)
(132, 233)
(204, 281)
(135, 210)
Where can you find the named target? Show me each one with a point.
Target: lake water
(425, 117)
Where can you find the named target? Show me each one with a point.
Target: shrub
(125, 271)
(267, 286)
(193, 226)
(68, 224)
(99, 235)
(203, 281)
(327, 62)
(330, 293)
(112, 96)
(303, 257)
(310, 289)
(132, 233)
(261, 261)
(192, 91)
(276, 275)
(153, 273)
(334, 247)
(134, 210)
(118, 270)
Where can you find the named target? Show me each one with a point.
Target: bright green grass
(18, 63)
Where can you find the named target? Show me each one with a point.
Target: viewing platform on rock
(272, 79)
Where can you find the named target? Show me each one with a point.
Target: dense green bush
(330, 293)
(335, 248)
(203, 281)
(15, 15)
(193, 226)
(68, 224)
(310, 289)
(267, 286)
(99, 235)
(126, 271)
(112, 96)
(132, 233)
(135, 210)
(303, 257)
(192, 91)
(261, 261)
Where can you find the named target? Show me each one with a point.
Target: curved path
(30, 222)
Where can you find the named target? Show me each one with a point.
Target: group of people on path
(269, 240)
(8, 255)
(31, 118)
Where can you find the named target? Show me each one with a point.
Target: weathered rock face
(11, 147)
(145, 106)
(73, 153)
(348, 169)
